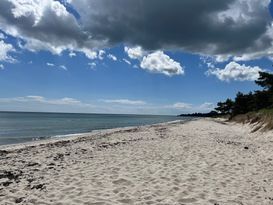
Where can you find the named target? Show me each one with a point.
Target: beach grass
(260, 120)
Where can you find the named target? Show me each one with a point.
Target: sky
(133, 56)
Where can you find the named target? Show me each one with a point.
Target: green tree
(243, 103)
(225, 107)
(265, 97)
(265, 80)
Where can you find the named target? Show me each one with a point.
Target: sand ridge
(198, 162)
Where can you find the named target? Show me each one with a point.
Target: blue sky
(41, 73)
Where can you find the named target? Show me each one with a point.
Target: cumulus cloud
(2, 67)
(237, 72)
(2, 36)
(134, 52)
(112, 57)
(158, 62)
(235, 27)
(89, 53)
(5, 50)
(101, 54)
(240, 28)
(125, 102)
(154, 62)
(45, 25)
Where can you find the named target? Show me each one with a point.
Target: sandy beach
(205, 161)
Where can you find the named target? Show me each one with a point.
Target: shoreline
(203, 161)
(69, 137)
(21, 127)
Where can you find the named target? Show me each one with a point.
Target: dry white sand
(199, 162)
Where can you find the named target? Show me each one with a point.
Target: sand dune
(198, 162)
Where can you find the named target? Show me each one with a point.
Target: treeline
(198, 114)
(253, 101)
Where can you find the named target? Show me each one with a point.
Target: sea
(18, 127)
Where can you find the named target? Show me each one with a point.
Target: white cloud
(5, 49)
(50, 64)
(212, 61)
(159, 62)
(190, 108)
(112, 57)
(181, 105)
(40, 102)
(208, 61)
(255, 55)
(207, 106)
(237, 72)
(32, 97)
(72, 54)
(35, 45)
(101, 54)
(2, 67)
(155, 62)
(63, 101)
(221, 58)
(63, 67)
(125, 102)
(36, 9)
(41, 99)
(126, 61)
(2, 36)
(134, 52)
(67, 104)
(45, 25)
(89, 53)
(92, 65)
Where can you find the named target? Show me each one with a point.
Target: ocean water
(17, 127)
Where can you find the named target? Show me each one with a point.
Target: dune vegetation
(255, 107)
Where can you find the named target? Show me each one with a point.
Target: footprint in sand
(126, 201)
(122, 181)
(187, 200)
